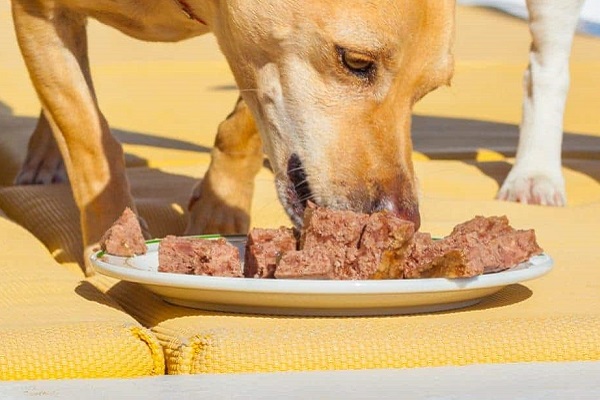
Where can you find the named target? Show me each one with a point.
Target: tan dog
(330, 88)
(327, 91)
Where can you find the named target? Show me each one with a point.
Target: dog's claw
(41, 175)
(43, 165)
(538, 189)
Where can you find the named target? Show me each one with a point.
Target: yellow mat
(465, 137)
(52, 325)
(556, 318)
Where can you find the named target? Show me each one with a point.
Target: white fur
(536, 176)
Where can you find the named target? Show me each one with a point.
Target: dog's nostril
(299, 180)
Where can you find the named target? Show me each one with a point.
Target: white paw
(534, 188)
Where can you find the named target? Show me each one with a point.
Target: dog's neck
(188, 11)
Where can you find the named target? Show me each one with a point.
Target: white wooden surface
(547, 381)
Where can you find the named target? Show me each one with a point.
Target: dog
(327, 90)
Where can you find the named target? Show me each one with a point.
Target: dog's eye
(357, 63)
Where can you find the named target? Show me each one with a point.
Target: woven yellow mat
(53, 325)
(170, 123)
(555, 318)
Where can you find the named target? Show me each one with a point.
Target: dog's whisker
(297, 169)
(304, 182)
(306, 198)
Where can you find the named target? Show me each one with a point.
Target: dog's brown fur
(350, 132)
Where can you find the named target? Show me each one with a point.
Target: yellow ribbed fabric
(167, 120)
(377, 343)
(52, 325)
(80, 350)
(555, 318)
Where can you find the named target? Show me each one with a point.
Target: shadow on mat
(156, 310)
(14, 126)
(50, 213)
(91, 293)
(441, 138)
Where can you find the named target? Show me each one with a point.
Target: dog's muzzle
(298, 193)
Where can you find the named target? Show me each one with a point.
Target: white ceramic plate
(312, 297)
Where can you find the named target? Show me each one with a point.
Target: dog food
(337, 233)
(264, 248)
(359, 246)
(124, 238)
(346, 245)
(196, 256)
(383, 247)
(341, 245)
(314, 263)
(478, 246)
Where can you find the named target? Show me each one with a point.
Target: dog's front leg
(53, 43)
(536, 177)
(221, 202)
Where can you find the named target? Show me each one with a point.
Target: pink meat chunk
(383, 247)
(264, 248)
(124, 238)
(338, 232)
(481, 245)
(197, 256)
(314, 263)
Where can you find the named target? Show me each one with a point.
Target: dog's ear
(436, 42)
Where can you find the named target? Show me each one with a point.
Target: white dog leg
(536, 177)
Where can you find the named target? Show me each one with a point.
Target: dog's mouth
(298, 191)
(295, 193)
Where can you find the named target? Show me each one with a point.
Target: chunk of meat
(336, 231)
(124, 238)
(314, 263)
(481, 245)
(383, 247)
(195, 256)
(264, 248)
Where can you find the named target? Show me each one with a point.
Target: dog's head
(331, 85)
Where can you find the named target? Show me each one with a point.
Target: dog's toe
(540, 189)
(218, 219)
(211, 212)
(42, 168)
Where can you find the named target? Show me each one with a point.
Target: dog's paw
(534, 188)
(43, 165)
(217, 209)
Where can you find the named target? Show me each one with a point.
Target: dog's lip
(296, 207)
(290, 201)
